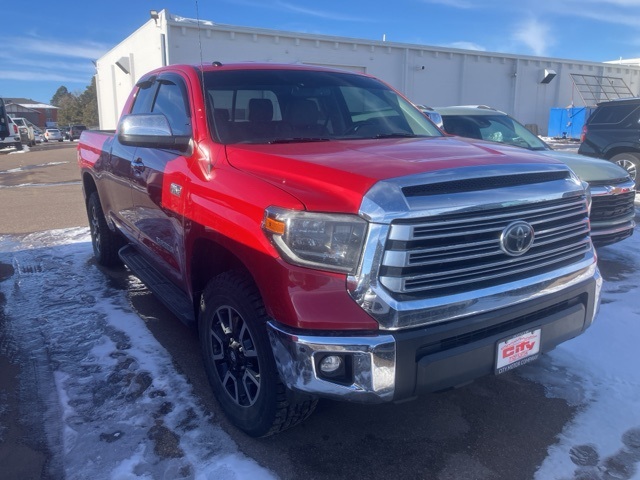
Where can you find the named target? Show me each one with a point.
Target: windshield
(498, 128)
(278, 106)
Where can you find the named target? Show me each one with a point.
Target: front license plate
(518, 350)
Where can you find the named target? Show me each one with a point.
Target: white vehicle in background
(39, 134)
(52, 134)
(9, 133)
(430, 112)
(27, 132)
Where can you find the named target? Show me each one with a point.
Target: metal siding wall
(449, 77)
(113, 85)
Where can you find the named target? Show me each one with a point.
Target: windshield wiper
(396, 135)
(300, 140)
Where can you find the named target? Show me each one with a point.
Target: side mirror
(150, 130)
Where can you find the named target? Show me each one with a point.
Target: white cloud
(617, 12)
(89, 50)
(33, 59)
(467, 46)
(535, 35)
(45, 64)
(619, 3)
(41, 76)
(289, 7)
(616, 17)
(453, 3)
(327, 15)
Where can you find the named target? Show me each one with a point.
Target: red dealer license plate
(518, 350)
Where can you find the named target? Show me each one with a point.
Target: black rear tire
(239, 361)
(105, 242)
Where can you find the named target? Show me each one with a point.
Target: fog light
(330, 364)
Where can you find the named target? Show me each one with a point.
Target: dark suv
(612, 132)
(75, 131)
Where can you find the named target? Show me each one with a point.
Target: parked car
(75, 131)
(65, 132)
(27, 134)
(39, 135)
(52, 134)
(612, 132)
(9, 133)
(4, 121)
(430, 112)
(612, 189)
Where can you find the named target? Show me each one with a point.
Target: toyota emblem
(517, 238)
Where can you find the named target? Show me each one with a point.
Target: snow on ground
(116, 406)
(115, 384)
(600, 373)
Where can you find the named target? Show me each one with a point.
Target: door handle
(138, 166)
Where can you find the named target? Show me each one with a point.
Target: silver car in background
(52, 134)
(612, 189)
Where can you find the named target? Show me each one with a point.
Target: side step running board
(170, 295)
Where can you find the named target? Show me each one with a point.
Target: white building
(524, 86)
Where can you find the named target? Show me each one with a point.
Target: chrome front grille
(461, 252)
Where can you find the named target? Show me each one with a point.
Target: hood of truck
(335, 175)
(591, 170)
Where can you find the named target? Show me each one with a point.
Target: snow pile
(116, 406)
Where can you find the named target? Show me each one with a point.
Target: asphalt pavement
(40, 189)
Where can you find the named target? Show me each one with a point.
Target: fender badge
(175, 189)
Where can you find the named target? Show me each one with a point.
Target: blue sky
(45, 44)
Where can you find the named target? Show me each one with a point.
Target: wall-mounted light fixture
(124, 64)
(154, 15)
(548, 76)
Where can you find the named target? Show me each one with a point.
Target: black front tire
(239, 362)
(105, 242)
(630, 162)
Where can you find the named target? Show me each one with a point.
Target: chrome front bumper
(394, 366)
(374, 364)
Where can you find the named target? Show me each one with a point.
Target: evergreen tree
(70, 111)
(89, 104)
(77, 108)
(59, 95)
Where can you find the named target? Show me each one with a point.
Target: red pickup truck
(328, 240)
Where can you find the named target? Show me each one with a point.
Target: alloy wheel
(235, 356)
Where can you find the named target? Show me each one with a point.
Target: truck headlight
(317, 240)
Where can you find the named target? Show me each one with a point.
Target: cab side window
(144, 97)
(167, 96)
(171, 101)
